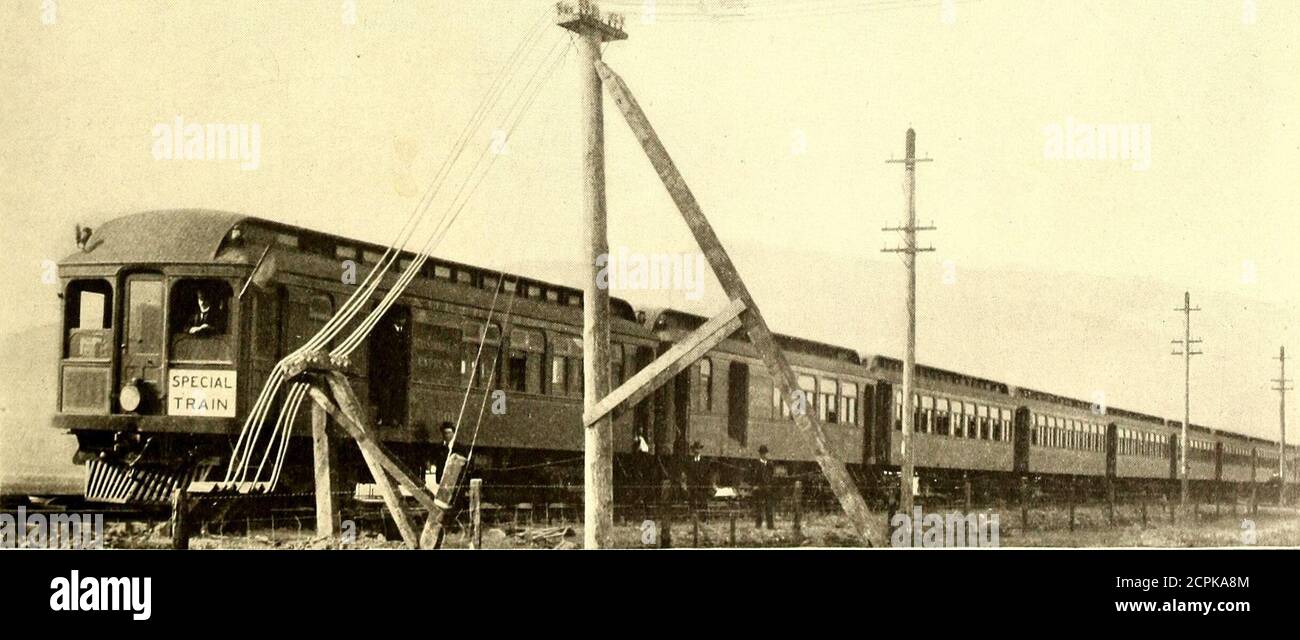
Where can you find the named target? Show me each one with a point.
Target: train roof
(197, 236)
(934, 373)
(171, 236)
(658, 319)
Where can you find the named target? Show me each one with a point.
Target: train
(172, 321)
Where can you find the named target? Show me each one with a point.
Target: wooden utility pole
(598, 457)
(1281, 389)
(1187, 353)
(323, 459)
(909, 251)
(742, 303)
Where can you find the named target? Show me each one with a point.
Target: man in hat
(699, 480)
(764, 491)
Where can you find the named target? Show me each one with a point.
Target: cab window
(200, 320)
(89, 320)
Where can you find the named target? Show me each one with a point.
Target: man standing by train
(763, 489)
(699, 481)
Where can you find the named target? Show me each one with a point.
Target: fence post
(1024, 503)
(798, 511)
(695, 529)
(1254, 499)
(665, 509)
(732, 511)
(1072, 503)
(1144, 507)
(476, 513)
(1110, 500)
(965, 479)
(180, 524)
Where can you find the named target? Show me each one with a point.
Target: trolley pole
(592, 30)
(1281, 389)
(909, 251)
(1187, 353)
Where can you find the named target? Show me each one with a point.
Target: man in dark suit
(699, 481)
(443, 449)
(764, 489)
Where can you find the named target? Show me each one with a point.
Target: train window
(490, 283)
(983, 412)
(566, 364)
(287, 239)
(373, 257)
(926, 422)
(849, 402)
(345, 253)
(898, 410)
(534, 291)
(941, 423)
(443, 272)
(88, 319)
(972, 425)
(465, 277)
(828, 401)
(808, 385)
(559, 373)
(471, 353)
(200, 318)
(706, 385)
(1006, 424)
(552, 295)
(527, 358)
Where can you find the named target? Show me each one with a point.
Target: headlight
(129, 397)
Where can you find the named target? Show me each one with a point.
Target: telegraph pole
(909, 251)
(592, 30)
(1187, 353)
(1281, 390)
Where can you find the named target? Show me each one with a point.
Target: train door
(642, 413)
(1020, 442)
(264, 348)
(883, 418)
(142, 338)
(1112, 449)
(867, 402)
(738, 402)
(389, 356)
(682, 412)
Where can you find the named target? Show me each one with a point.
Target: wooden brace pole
(349, 415)
(868, 527)
(672, 362)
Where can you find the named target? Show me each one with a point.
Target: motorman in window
(205, 320)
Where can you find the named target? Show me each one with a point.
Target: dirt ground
(1270, 527)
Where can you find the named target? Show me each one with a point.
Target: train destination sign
(201, 392)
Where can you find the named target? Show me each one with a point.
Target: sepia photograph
(648, 274)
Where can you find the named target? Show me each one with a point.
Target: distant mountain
(34, 458)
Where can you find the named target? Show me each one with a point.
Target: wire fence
(675, 515)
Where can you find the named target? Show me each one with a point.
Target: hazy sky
(1060, 273)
